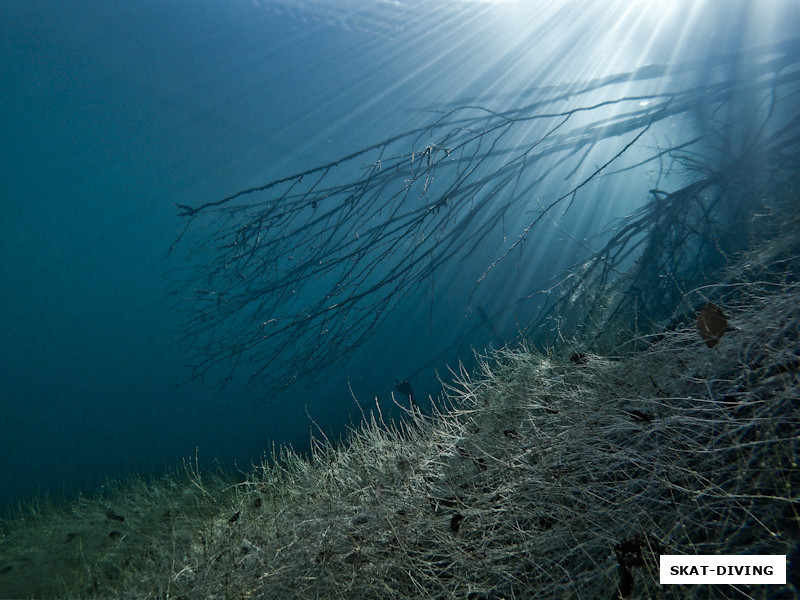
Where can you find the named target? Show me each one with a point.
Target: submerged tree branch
(291, 277)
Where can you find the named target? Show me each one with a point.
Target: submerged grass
(542, 475)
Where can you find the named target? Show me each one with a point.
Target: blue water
(115, 112)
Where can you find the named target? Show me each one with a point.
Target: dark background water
(114, 112)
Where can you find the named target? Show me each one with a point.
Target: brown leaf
(711, 323)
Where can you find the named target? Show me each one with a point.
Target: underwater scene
(398, 299)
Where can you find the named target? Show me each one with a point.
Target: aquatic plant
(289, 278)
(538, 476)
